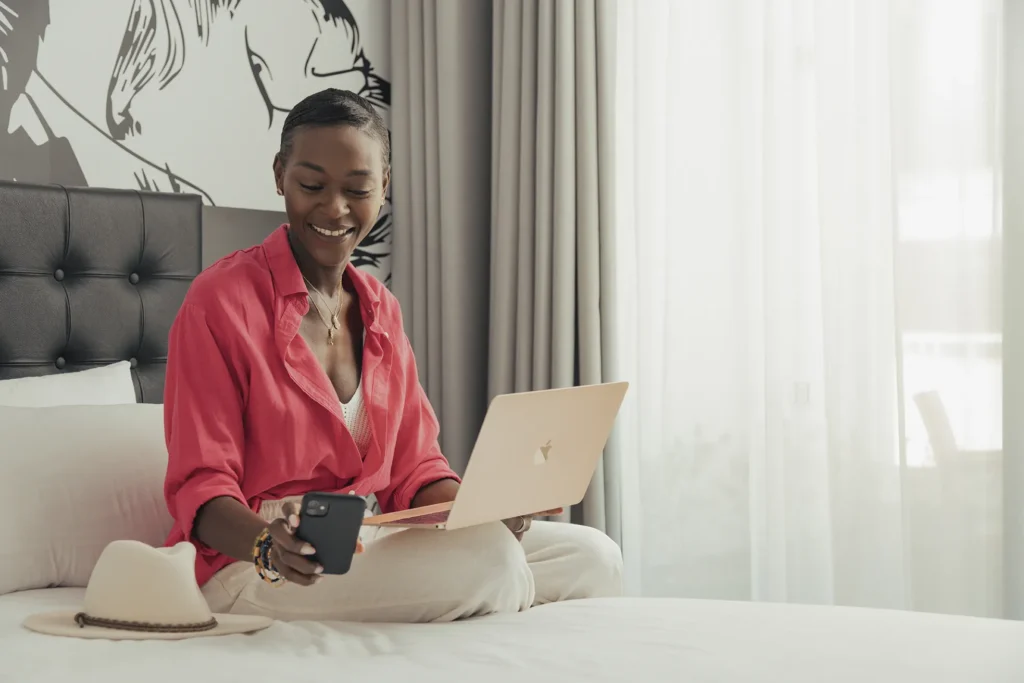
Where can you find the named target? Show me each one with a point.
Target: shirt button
(352, 492)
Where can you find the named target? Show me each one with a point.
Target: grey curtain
(522, 277)
(440, 130)
(552, 211)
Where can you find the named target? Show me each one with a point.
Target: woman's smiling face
(334, 181)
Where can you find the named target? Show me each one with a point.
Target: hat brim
(63, 624)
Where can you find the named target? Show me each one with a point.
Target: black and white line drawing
(176, 95)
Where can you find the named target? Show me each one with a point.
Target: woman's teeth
(331, 233)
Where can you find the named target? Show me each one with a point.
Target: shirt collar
(288, 278)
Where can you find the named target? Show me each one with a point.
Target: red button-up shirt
(249, 413)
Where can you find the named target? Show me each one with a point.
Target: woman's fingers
(284, 538)
(518, 525)
(291, 516)
(297, 563)
(294, 568)
(291, 556)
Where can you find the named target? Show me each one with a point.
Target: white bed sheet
(620, 641)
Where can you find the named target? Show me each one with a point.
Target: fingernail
(307, 549)
(319, 569)
(293, 521)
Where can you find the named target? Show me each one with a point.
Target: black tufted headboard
(89, 277)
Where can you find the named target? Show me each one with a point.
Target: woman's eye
(359, 193)
(311, 188)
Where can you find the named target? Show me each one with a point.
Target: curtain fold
(597, 250)
(441, 164)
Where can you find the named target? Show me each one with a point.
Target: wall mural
(179, 95)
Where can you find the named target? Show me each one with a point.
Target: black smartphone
(330, 522)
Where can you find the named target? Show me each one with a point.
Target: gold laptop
(536, 451)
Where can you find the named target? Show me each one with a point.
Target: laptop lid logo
(542, 454)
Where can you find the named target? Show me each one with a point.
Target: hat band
(83, 620)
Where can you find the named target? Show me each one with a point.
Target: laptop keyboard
(429, 518)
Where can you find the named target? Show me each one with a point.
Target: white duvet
(614, 641)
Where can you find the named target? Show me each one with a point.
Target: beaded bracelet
(261, 558)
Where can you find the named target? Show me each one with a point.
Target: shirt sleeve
(203, 422)
(418, 460)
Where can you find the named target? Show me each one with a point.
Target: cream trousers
(417, 576)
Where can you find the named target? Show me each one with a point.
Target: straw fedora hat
(138, 592)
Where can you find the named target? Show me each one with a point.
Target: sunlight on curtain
(809, 242)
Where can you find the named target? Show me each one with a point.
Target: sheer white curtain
(809, 248)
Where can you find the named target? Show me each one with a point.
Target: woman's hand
(520, 525)
(289, 555)
(444, 491)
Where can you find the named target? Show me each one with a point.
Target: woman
(289, 372)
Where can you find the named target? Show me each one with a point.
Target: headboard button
(60, 363)
(58, 275)
(134, 362)
(133, 278)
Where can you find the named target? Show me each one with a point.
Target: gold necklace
(334, 323)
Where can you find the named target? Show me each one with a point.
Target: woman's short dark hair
(333, 107)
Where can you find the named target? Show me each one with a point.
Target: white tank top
(357, 421)
(358, 424)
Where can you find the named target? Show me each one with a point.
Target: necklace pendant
(330, 337)
(334, 321)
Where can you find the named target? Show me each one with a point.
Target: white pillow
(73, 479)
(106, 385)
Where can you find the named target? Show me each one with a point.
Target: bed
(90, 279)
(594, 641)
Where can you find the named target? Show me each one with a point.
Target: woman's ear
(279, 173)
